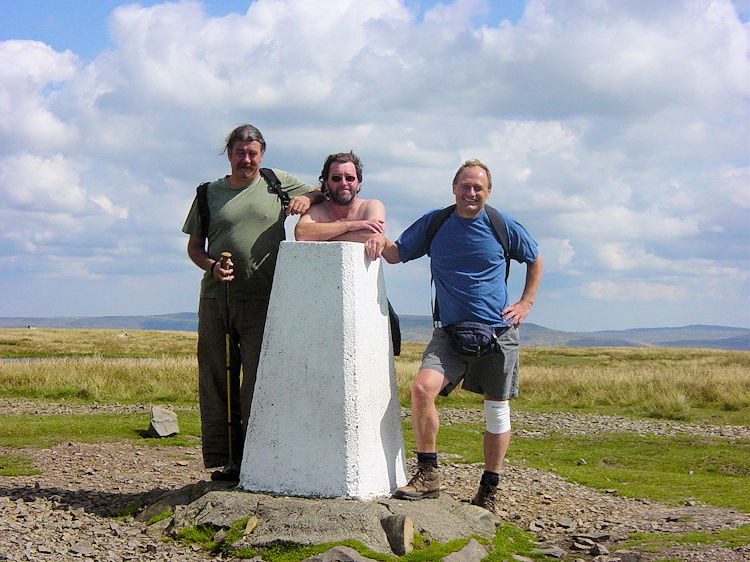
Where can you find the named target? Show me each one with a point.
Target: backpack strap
(433, 226)
(501, 233)
(436, 222)
(498, 228)
(395, 329)
(274, 186)
(201, 199)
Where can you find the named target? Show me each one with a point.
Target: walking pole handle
(223, 259)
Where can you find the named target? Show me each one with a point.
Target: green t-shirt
(248, 222)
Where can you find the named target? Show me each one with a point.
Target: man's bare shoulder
(371, 209)
(319, 212)
(360, 209)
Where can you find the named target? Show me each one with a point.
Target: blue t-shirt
(468, 265)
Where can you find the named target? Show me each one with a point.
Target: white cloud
(41, 184)
(557, 254)
(106, 205)
(29, 73)
(616, 132)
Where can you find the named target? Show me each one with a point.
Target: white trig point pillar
(325, 419)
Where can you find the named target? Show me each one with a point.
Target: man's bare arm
(518, 312)
(390, 252)
(196, 249)
(314, 226)
(301, 203)
(309, 229)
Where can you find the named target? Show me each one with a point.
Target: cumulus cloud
(558, 254)
(616, 132)
(29, 73)
(41, 184)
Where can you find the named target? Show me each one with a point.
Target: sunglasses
(339, 178)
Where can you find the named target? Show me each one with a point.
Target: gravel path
(66, 513)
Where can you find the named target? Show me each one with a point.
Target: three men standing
(468, 266)
(247, 220)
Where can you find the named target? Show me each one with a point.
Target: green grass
(508, 540)
(160, 517)
(102, 380)
(47, 431)
(669, 469)
(49, 342)
(692, 385)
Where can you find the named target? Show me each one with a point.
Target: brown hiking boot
(486, 498)
(424, 484)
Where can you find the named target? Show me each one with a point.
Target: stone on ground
(163, 422)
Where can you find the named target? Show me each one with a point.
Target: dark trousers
(247, 320)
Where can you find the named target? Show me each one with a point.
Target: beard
(342, 197)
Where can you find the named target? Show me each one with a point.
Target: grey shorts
(494, 374)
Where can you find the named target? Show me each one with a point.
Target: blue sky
(617, 133)
(81, 25)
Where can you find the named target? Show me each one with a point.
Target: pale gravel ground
(65, 512)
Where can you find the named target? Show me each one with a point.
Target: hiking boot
(424, 484)
(486, 498)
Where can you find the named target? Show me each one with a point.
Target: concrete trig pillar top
(325, 419)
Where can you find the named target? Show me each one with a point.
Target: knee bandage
(497, 416)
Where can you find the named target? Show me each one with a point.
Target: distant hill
(419, 329)
(180, 321)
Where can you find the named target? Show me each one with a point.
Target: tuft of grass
(202, 535)
(510, 540)
(160, 517)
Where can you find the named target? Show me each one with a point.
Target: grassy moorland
(698, 386)
(691, 385)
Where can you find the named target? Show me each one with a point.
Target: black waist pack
(472, 338)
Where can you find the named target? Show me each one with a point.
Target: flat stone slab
(316, 521)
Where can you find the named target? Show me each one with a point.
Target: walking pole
(223, 262)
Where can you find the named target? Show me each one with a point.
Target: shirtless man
(343, 216)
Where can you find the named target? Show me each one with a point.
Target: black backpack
(498, 228)
(201, 196)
